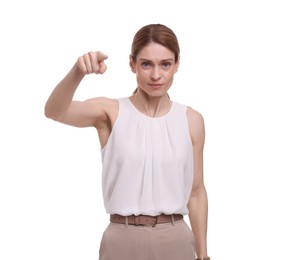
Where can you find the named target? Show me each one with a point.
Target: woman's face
(154, 68)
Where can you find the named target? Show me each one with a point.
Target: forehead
(155, 51)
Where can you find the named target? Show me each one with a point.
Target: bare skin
(154, 68)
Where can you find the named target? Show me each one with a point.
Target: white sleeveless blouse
(148, 163)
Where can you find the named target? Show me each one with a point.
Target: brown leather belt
(144, 220)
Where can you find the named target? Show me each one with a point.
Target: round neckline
(149, 117)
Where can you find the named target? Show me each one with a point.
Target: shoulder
(196, 125)
(194, 116)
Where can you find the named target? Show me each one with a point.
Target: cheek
(140, 78)
(170, 75)
(141, 74)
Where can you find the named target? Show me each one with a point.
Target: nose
(155, 73)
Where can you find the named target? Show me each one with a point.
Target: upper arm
(197, 133)
(91, 112)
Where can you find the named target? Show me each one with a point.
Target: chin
(157, 93)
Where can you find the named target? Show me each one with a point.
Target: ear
(132, 64)
(177, 64)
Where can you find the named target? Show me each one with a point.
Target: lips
(155, 86)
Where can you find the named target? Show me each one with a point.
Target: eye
(166, 65)
(146, 64)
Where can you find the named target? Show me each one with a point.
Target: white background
(240, 64)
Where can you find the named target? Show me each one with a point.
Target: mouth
(155, 86)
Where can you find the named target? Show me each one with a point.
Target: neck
(151, 106)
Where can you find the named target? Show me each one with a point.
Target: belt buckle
(156, 220)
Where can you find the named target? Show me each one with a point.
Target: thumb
(101, 56)
(102, 67)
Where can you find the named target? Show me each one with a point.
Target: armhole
(102, 149)
(186, 109)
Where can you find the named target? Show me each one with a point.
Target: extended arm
(60, 105)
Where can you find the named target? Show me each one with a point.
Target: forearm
(198, 214)
(62, 95)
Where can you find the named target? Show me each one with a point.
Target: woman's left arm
(198, 202)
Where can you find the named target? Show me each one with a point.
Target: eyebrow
(164, 60)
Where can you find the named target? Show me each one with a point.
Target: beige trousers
(162, 242)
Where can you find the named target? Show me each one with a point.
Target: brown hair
(157, 33)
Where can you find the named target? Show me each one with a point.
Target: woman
(152, 153)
